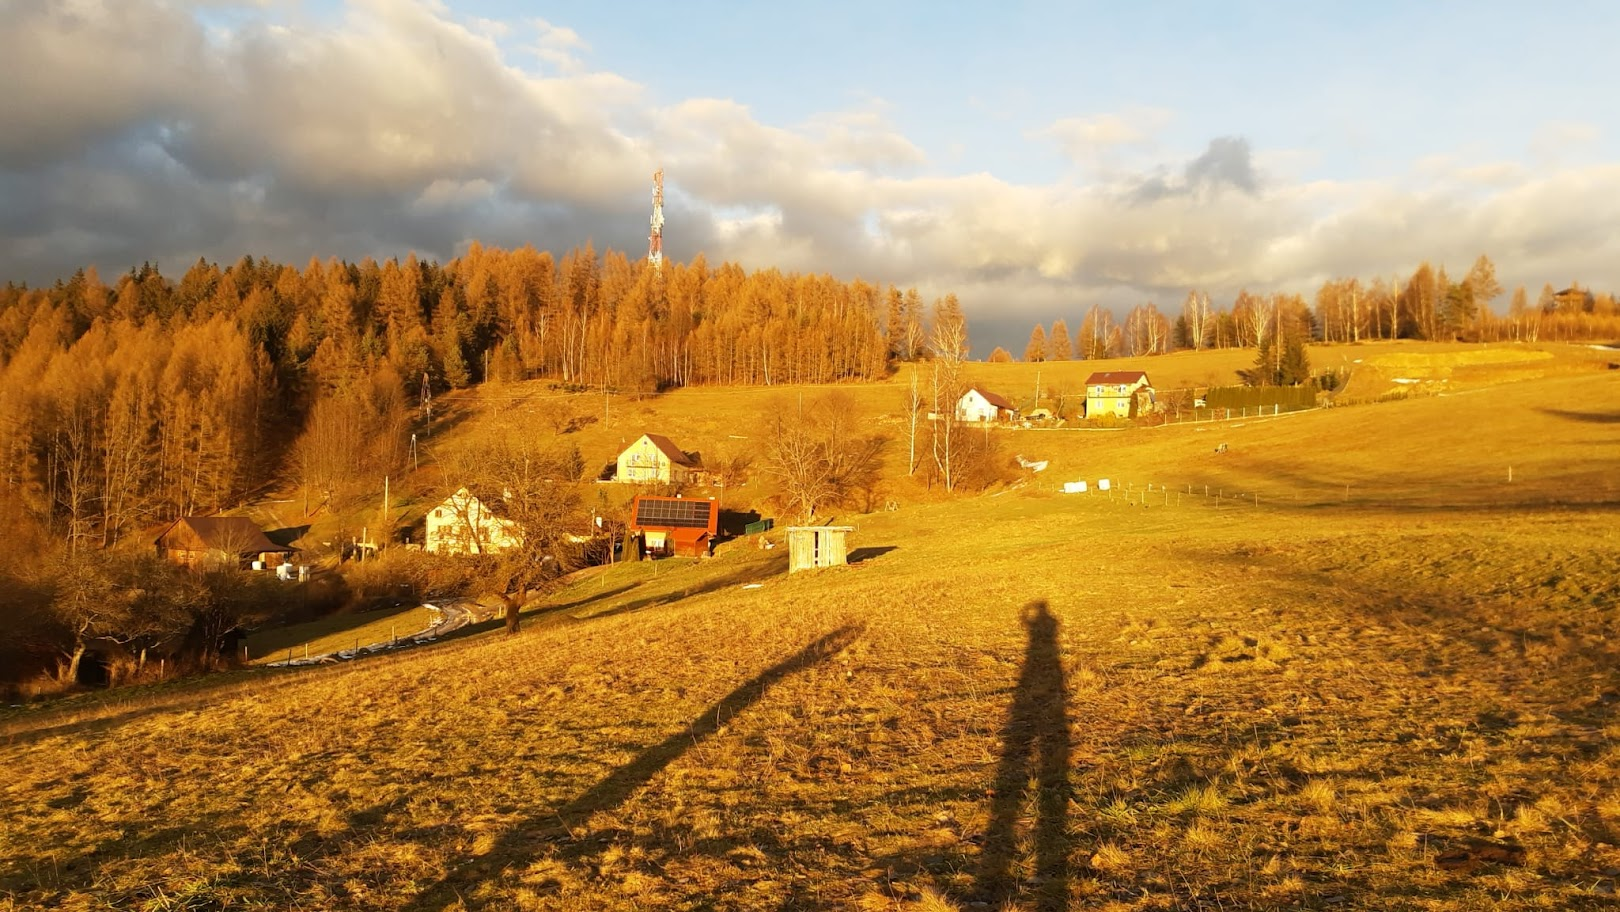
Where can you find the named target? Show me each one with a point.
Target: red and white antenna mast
(655, 241)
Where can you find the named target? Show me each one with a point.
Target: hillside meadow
(1365, 670)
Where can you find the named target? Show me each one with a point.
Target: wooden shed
(816, 546)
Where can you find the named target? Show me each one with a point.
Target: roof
(995, 399)
(1107, 377)
(668, 513)
(231, 534)
(668, 448)
(465, 500)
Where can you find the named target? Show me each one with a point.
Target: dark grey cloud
(1227, 162)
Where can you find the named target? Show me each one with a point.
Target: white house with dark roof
(464, 524)
(1120, 394)
(982, 405)
(655, 459)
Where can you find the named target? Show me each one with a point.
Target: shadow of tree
(866, 554)
(554, 830)
(1586, 417)
(1034, 756)
(775, 566)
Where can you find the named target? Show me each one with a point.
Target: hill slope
(1405, 699)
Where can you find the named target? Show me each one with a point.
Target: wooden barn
(684, 527)
(194, 541)
(817, 546)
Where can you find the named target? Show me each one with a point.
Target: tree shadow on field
(1586, 417)
(749, 573)
(1034, 755)
(553, 832)
(867, 553)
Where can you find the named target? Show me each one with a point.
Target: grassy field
(1389, 681)
(336, 633)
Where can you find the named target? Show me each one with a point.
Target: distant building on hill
(655, 459)
(682, 526)
(218, 541)
(464, 524)
(981, 405)
(1120, 394)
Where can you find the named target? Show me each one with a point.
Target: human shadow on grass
(1035, 753)
(554, 832)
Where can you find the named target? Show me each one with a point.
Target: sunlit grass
(1297, 705)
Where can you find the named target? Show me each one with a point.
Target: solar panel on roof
(673, 514)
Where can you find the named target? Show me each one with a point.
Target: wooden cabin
(213, 541)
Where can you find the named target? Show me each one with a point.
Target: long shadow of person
(561, 832)
(1034, 754)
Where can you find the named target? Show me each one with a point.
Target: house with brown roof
(655, 459)
(218, 541)
(1118, 394)
(982, 405)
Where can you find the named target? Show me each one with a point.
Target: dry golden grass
(1029, 701)
(336, 633)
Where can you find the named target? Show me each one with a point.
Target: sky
(1033, 158)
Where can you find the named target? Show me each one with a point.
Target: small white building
(655, 459)
(1119, 394)
(982, 405)
(463, 524)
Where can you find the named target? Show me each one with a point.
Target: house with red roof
(655, 459)
(1118, 394)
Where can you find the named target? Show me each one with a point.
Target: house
(982, 405)
(684, 527)
(465, 524)
(655, 459)
(1573, 299)
(1122, 394)
(217, 541)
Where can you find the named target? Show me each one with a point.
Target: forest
(148, 399)
(1428, 304)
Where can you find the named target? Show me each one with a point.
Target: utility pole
(386, 527)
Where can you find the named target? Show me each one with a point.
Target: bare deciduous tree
(818, 454)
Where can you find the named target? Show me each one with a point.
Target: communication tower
(655, 240)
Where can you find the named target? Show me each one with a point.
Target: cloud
(398, 127)
(1086, 140)
(1226, 163)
